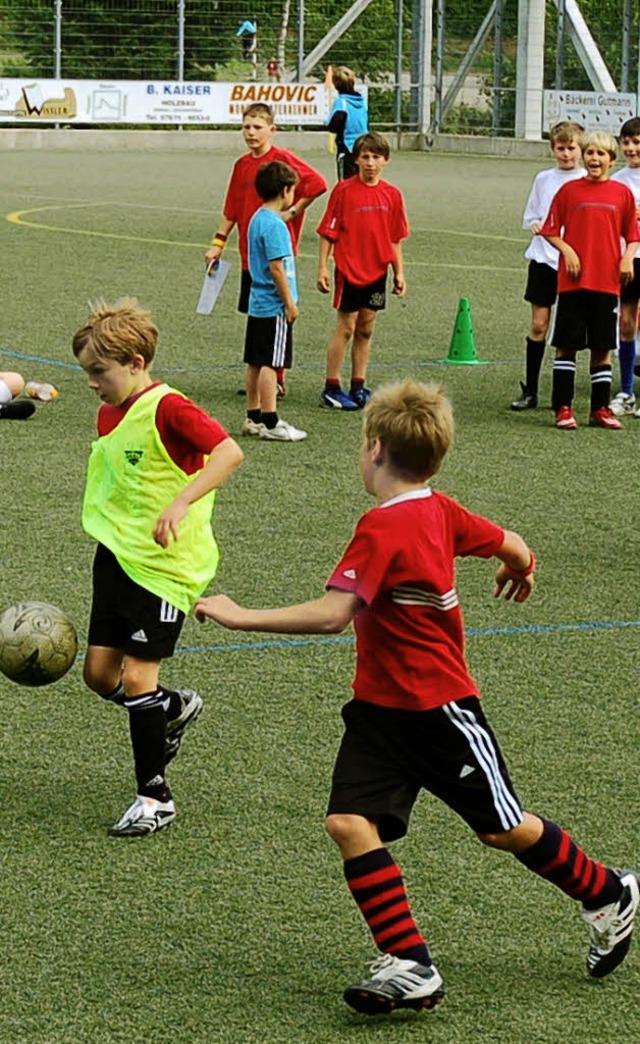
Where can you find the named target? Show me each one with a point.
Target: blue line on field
(472, 632)
(26, 357)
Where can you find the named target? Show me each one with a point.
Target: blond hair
(343, 79)
(414, 423)
(565, 132)
(600, 140)
(118, 332)
(259, 109)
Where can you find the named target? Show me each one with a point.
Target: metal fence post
(180, 55)
(57, 46)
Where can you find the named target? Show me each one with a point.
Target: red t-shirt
(188, 433)
(363, 221)
(242, 199)
(409, 631)
(592, 217)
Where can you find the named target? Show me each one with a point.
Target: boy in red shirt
(586, 221)
(415, 721)
(242, 199)
(363, 226)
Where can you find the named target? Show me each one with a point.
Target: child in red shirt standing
(363, 226)
(586, 221)
(416, 722)
(242, 199)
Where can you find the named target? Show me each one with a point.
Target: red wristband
(530, 568)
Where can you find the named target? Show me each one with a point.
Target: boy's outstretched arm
(330, 614)
(518, 564)
(224, 460)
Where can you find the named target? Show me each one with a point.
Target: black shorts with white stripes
(128, 617)
(268, 341)
(387, 756)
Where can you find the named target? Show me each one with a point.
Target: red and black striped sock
(376, 884)
(560, 860)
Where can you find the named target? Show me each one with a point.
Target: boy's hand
(572, 262)
(323, 281)
(168, 524)
(219, 608)
(212, 254)
(399, 286)
(291, 312)
(535, 227)
(520, 587)
(626, 272)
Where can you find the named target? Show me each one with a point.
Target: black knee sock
(600, 386)
(564, 380)
(534, 357)
(148, 729)
(557, 858)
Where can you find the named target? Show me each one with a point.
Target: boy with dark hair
(273, 304)
(363, 226)
(625, 401)
(415, 721)
(242, 198)
(542, 276)
(586, 222)
(151, 482)
(348, 119)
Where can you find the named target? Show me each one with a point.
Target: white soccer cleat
(611, 928)
(283, 432)
(396, 983)
(145, 816)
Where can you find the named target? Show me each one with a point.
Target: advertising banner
(157, 101)
(593, 110)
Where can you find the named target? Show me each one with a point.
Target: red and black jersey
(242, 199)
(592, 217)
(409, 631)
(188, 433)
(363, 222)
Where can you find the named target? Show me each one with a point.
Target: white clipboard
(214, 279)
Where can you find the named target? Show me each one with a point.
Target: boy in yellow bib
(151, 481)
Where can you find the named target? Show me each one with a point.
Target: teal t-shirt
(269, 240)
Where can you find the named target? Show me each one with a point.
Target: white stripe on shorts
(280, 340)
(168, 613)
(483, 748)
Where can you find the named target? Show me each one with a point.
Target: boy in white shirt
(625, 400)
(541, 289)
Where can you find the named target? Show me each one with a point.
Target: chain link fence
(472, 44)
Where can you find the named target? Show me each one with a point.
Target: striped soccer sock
(376, 884)
(562, 862)
(564, 382)
(600, 386)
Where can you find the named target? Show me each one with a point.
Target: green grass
(235, 925)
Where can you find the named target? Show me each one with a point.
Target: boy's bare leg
(344, 331)
(251, 386)
(625, 401)
(361, 349)
(267, 389)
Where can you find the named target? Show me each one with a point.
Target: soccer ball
(38, 643)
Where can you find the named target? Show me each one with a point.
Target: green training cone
(462, 350)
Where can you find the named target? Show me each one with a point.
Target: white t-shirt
(629, 176)
(545, 185)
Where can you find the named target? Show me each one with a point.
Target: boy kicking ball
(416, 721)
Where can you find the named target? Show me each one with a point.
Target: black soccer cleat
(611, 928)
(396, 984)
(19, 409)
(526, 401)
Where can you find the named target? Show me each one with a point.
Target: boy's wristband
(219, 240)
(293, 210)
(530, 568)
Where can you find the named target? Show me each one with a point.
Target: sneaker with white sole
(622, 404)
(192, 705)
(283, 432)
(145, 816)
(396, 983)
(337, 399)
(603, 417)
(611, 928)
(251, 427)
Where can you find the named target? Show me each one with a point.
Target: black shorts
(245, 290)
(127, 616)
(351, 298)
(586, 319)
(542, 285)
(631, 292)
(387, 756)
(268, 341)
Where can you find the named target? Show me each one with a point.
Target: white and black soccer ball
(38, 643)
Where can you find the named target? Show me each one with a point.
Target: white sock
(5, 392)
